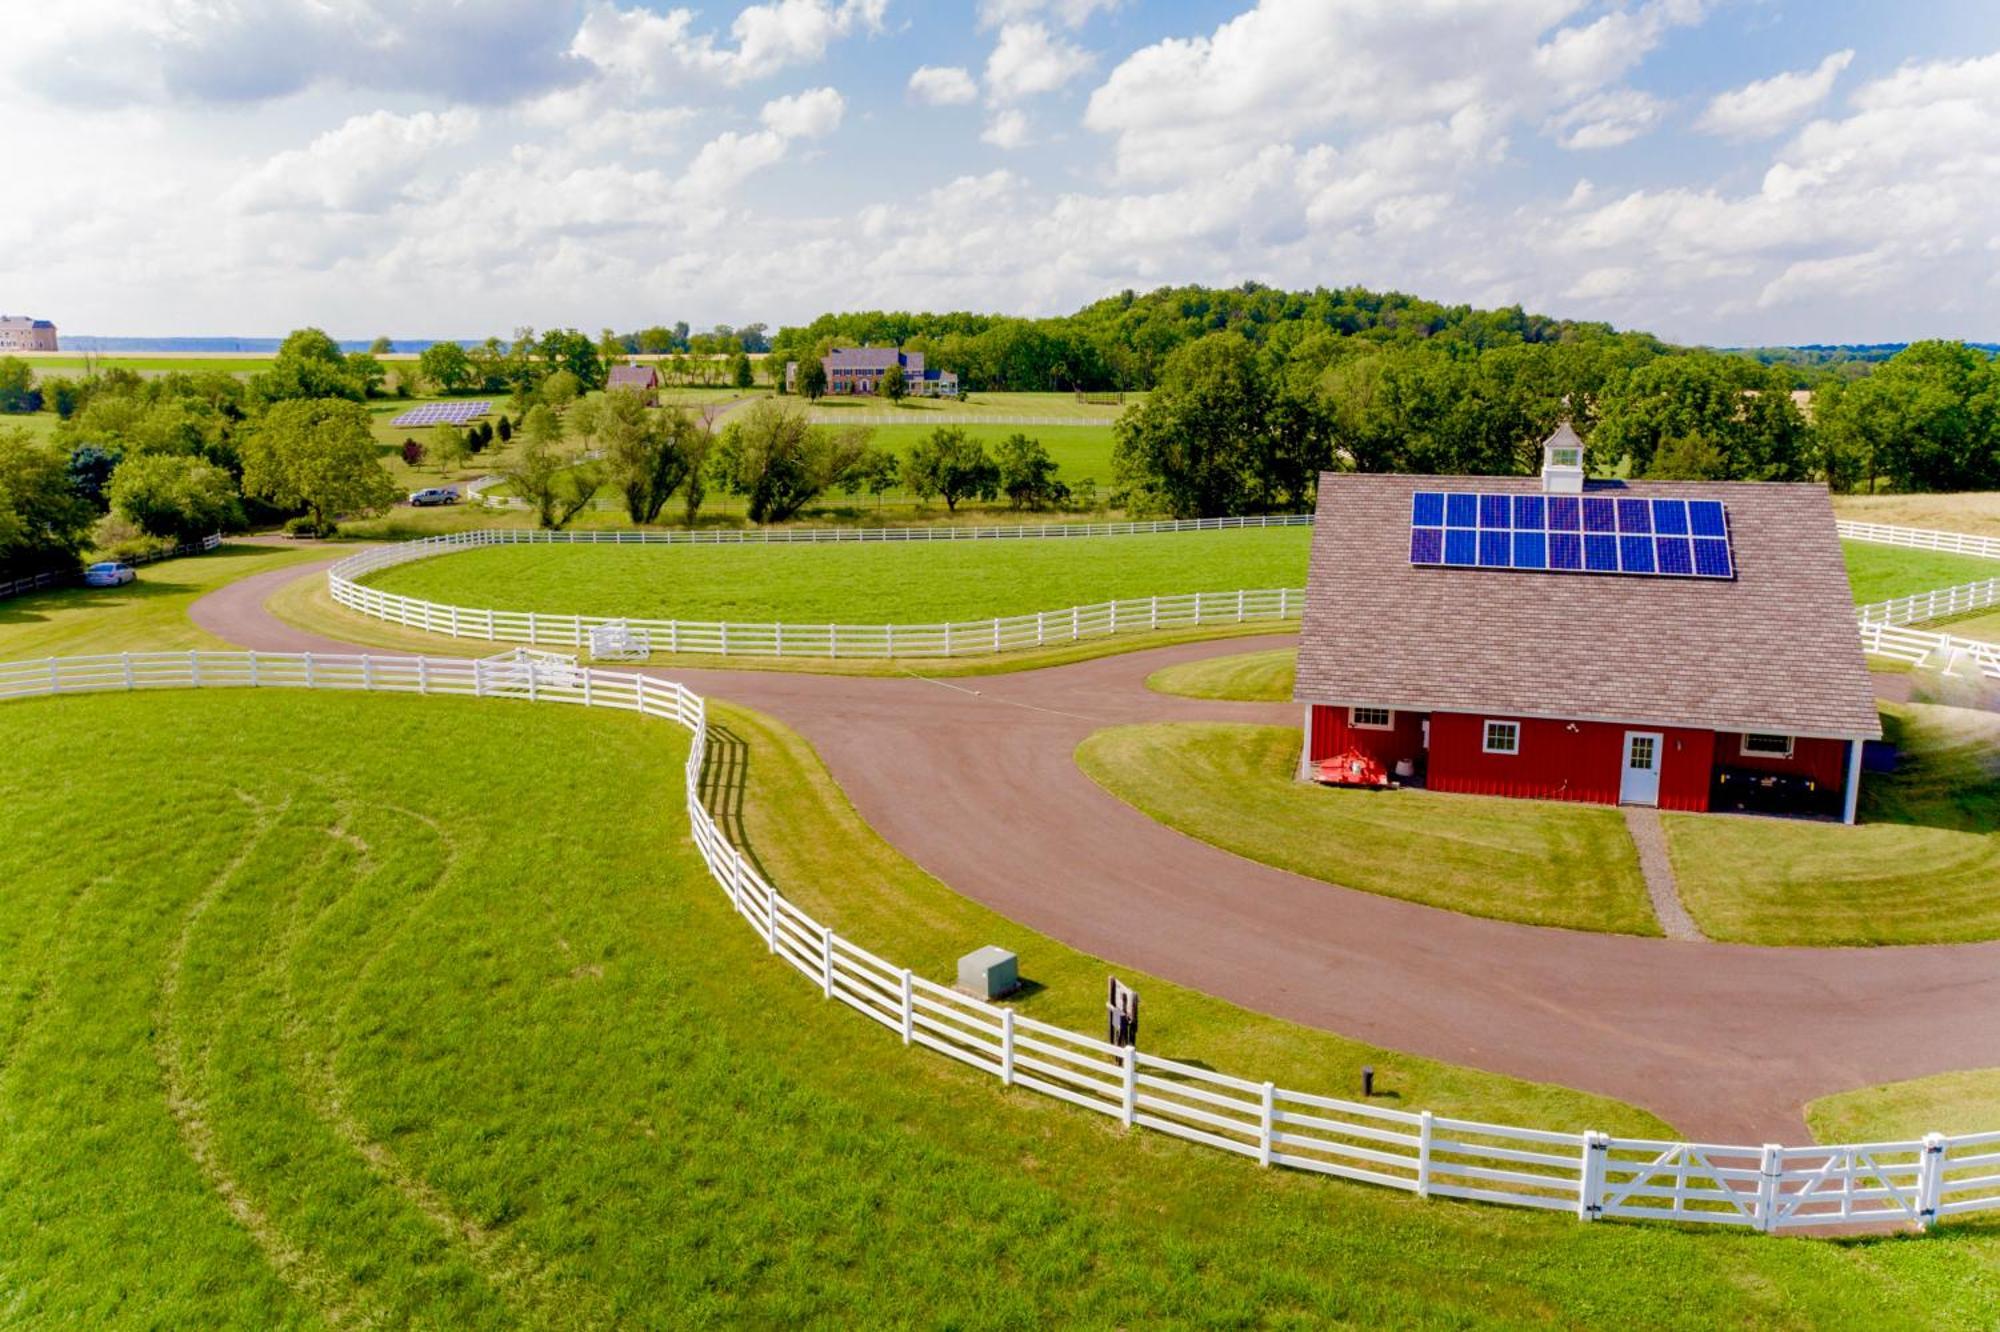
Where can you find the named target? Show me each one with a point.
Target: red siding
(1332, 735)
(1825, 761)
(1564, 760)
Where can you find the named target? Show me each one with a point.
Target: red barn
(1689, 645)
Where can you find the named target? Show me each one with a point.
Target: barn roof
(1772, 650)
(633, 376)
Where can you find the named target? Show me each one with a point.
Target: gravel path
(1658, 867)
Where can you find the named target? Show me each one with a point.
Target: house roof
(633, 376)
(1772, 650)
(876, 359)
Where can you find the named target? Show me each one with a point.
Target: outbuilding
(1685, 645)
(641, 379)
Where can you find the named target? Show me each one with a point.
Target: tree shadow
(34, 607)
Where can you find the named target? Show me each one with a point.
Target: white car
(109, 574)
(434, 495)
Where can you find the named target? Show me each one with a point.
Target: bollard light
(1368, 1079)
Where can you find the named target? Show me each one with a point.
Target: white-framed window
(1502, 737)
(1768, 746)
(1371, 719)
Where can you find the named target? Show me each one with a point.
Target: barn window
(1503, 737)
(1371, 719)
(1768, 746)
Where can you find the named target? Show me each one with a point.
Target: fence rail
(65, 577)
(1007, 633)
(1590, 1175)
(1921, 538)
(1942, 604)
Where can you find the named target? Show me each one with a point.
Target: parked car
(434, 495)
(109, 574)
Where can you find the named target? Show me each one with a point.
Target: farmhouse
(851, 370)
(642, 379)
(19, 333)
(1684, 645)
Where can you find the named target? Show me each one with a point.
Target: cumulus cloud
(1766, 107)
(364, 165)
(1027, 61)
(652, 50)
(1607, 119)
(943, 85)
(1007, 129)
(807, 115)
(114, 52)
(1072, 13)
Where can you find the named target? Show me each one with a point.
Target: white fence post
(1770, 1167)
(1006, 1047)
(1267, 1114)
(1930, 1180)
(1128, 1102)
(1590, 1176)
(825, 962)
(126, 657)
(1424, 1130)
(909, 1008)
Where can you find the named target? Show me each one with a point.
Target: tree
(895, 385)
(447, 367)
(561, 389)
(44, 524)
(812, 379)
(699, 443)
(382, 346)
(656, 341)
(309, 364)
(567, 349)
(774, 457)
(1926, 419)
(740, 372)
(646, 452)
(554, 489)
(505, 429)
(90, 468)
(877, 471)
(317, 455)
(177, 498)
(1188, 448)
(413, 453)
(952, 465)
(1028, 474)
(449, 446)
(542, 427)
(17, 386)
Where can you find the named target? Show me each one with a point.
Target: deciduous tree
(953, 466)
(317, 454)
(774, 457)
(178, 498)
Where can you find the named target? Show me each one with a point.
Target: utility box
(990, 973)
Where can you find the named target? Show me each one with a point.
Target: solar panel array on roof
(442, 413)
(1667, 538)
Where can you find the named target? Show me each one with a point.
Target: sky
(1715, 171)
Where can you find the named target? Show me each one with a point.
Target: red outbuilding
(1687, 645)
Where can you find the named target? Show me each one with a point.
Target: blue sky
(1720, 171)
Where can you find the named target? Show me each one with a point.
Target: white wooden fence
(1921, 538)
(1007, 633)
(65, 577)
(1593, 1176)
(1942, 604)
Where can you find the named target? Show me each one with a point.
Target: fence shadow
(725, 781)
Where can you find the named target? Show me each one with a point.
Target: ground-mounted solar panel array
(1662, 538)
(442, 413)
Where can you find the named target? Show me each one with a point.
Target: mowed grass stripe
(874, 583)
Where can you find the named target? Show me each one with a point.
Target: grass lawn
(1000, 405)
(1255, 677)
(1881, 573)
(903, 582)
(1921, 867)
(147, 615)
(361, 1043)
(1538, 862)
(1965, 1102)
(1977, 512)
(1081, 452)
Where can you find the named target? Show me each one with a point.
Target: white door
(1640, 784)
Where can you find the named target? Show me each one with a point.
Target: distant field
(904, 583)
(1081, 452)
(1975, 512)
(1062, 405)
(1881, 573)
(75, 366)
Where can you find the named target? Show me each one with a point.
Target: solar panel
(1663, 538)
(442, 413)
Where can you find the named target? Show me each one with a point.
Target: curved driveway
(974, 780)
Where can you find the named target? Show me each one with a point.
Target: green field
(1000, 405)
(901, 582)
(1921, 867)
(1253, 677)
(1081, 452)
(360, 1044)
(1882, 573)
(1234, 786)
(148, 615)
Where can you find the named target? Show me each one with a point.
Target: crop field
(903, 582)
(75, 366)
(1977, 512)
(358, 1042)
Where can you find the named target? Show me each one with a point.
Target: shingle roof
(876, 359)
(1774, 650)
(633, 376)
